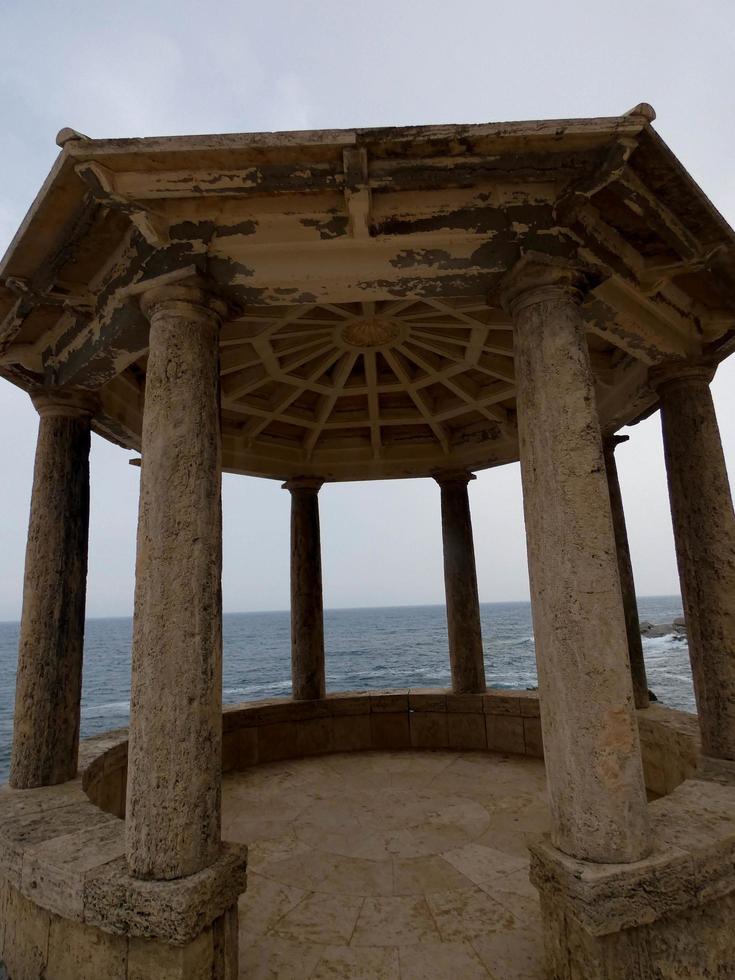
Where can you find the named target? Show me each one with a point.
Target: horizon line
(405, 605)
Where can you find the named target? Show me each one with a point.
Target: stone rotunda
(358, 305)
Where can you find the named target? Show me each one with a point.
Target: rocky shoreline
(677, 630)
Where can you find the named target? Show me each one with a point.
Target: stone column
(307, 612)
(49, 678)
(174, 756)
(625, 570)
(590, 734)
(704, 533)
(460, 582)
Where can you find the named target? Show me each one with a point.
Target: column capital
(611, 442)
(65, 402)
(693, 370)
(307, 484)
(181, 297)
(537, 277)
(444, 477)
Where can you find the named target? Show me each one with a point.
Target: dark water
(366, 648)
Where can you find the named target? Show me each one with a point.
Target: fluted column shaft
(625, 570)
(174, 757)
(590, 735)
(49, 678)
(307, 608)
(704, 534)
(460, 583)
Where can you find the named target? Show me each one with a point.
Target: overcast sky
(154, 68)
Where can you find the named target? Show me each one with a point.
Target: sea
(402, 646)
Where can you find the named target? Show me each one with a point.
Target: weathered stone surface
(173, 805)
(625, 570)
(501, 704)
(239, 749)
(533, 738)
(277, 741)
(704, 534)
(505, 734)
(692, 862)
(429, 730)
(26, 937)
(174, 912)
(466, 731)
(19, 833)
(54, 872)
(465, 703)
(590, 736)
(307, 612)
(690, 944)
(466, 654)
(351, 733)
(390, 730)
(148, 959)
(359, 241)
(315, 737)
(390, 700)
(49, 678)
(427, 699)
(349, 703)
(79, 952)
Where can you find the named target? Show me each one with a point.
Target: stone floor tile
(519, 883)
(461, 916)
(358, 876)
(263, 904)
(512, 842)
(324, 919)
(271, 850)
(305, 869)
(357, 963)
(422, 875)
(521, 816)
(517, 954)
(441, 961)
(364, 865)
(274, 958)
(483, 864)
(525, 908)
(397, 921)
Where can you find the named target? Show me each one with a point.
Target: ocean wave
(667, 642)
(107, 708)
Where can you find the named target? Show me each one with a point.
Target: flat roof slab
(362, 272)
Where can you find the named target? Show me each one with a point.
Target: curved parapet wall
(67, 903)
(417, 718)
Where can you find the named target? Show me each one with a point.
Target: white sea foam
(108, 708)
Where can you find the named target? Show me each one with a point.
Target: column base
(40, 945)
(669, 915)
(69, 910)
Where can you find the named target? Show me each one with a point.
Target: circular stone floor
(408, 865)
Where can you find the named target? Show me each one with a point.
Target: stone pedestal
(590, 735)
(625, 570)
(460, 582)
(704, 533)
(49, 679)
(307, 612)
(174, 774)
(668, 915)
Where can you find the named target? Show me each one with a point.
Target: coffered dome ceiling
(402, 384)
